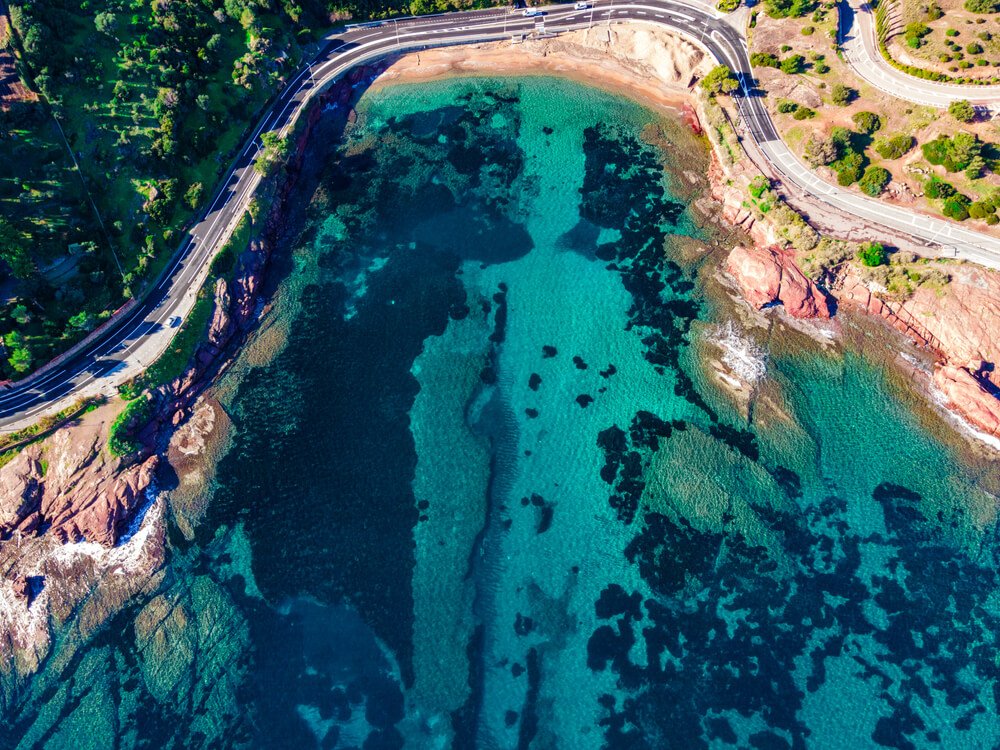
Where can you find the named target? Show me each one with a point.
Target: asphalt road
(858, 40)
(138, 337)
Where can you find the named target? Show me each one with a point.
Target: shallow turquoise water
(487, 496)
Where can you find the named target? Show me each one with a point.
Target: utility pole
(610, 11)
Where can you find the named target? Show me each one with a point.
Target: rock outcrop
(83, 494)
(970, 395)
(768, 275)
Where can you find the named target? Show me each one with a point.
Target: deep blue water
(486, 493)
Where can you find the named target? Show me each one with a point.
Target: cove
(484, 492)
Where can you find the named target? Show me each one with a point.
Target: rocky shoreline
(67, 488)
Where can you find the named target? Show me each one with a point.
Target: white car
(581, 6)
(532, 12)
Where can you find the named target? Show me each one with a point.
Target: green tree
(873, 254)
(793, 64)
(820, 151)
(720, 80)
(962, 111)
(194, 195)
(20, 314)
(874, 180)
(895, 147)
(274, 150)
(106, 22)
(867, 122)
(842, 95)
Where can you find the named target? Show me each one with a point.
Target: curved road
(856, 32)
(134, 339)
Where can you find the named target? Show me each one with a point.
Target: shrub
(720, 80)
(819, 152)
(120, 440)
(894, 147)
(982, 6)
(867, 122)
(821, 67)
(981, 209)
(935, 188)
(842, 95)
(808, 30)
(951, 32)
(804, 113)
(962, 111)
(955, 153)
(874, 180)
(934, 12)
(873, 254)
(764, 60)
(793, 64)
(758, 185)
(788, 8)
(974, 48)
(849, 168)
(787, 106)
(728, 6)
(956, 207)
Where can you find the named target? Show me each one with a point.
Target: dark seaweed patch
(534, 381)
(548, 351)
(584, 400)
(578, 361)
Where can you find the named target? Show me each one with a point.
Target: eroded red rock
(768, 275)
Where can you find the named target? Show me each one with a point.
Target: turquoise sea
(485, 491)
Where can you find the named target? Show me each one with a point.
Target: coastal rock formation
(970, 396)
(83, 494)
(767, 275)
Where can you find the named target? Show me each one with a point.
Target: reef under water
(485, 493)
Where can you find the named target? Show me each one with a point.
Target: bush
(872, 254)
(808, 30)
(867, 122)
(133, 416)
(982, 6)
(819, 152)
(956, 207)
(842, 95)
(935, 188)
(962, 111)
(894, 147)
(787, 106)
(758, 185)
(728, 6)
(974, 48)
(804, 113)
(849, 168)
(951, 32)
(720, 80)
(787, 8)
(981, 209)
(874, 180)
(934, 12)
(793, 64)
(764, 60)
(955, 153)
(821, 67)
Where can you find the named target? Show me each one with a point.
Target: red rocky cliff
(768, 275)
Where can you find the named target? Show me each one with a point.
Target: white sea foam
(741, 354)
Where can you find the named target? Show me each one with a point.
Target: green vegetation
(787, 106)
(720, 80)
(873, 254)
(728, 6)
(914, 34)
(121, 441)
(793, 64)
(956, 153)
(804, 113)
(47, 424)
(895, 146)
(788, 8)
(851, 160)
(152, 99)
(874, 180)
(842, 95)
(982, 6)
(819, 152)
(273, 153)
(867, 122)
(962, 111)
